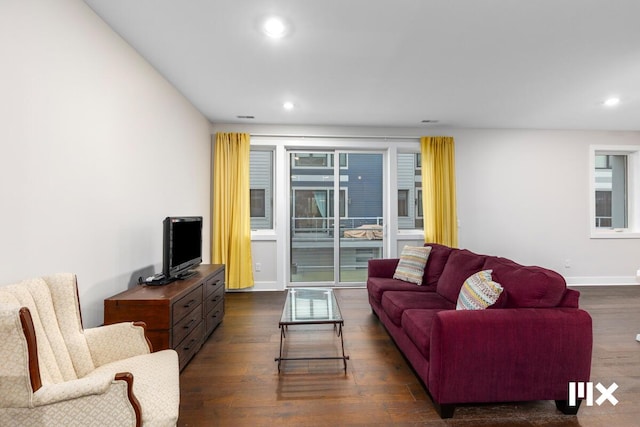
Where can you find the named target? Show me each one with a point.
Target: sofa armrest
(116, 342)
(570, 298)
(385, 267)
(508, 354)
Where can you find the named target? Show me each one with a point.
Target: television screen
(182, 245)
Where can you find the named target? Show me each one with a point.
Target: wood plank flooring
(234, 380)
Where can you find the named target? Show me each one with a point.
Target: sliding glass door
(336, 206)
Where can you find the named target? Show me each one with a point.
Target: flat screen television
(182, 246)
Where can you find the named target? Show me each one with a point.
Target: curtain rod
(270, 135)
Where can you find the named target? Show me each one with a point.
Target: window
(261, 189)
(403, 203)
(419, 203)
(258, 203)
(313, 210)
(611, 191)
(409, 179)
(317, 160)
(614, 192)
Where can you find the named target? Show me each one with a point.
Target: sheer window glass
(261, 189)
(403, 203)
(409, 179)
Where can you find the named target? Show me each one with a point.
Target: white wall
(525, 195)
(522, 194)
(97, 148)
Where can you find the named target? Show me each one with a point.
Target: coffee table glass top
(310, 305)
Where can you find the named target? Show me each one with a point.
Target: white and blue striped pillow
(412, 262)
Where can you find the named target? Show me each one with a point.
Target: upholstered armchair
(55, 373)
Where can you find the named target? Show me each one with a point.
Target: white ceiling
(542, 64)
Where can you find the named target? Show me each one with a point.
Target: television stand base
(185, 275)
(160, 282)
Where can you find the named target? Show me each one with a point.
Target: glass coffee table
(311, 306)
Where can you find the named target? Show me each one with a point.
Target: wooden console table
(180, 315)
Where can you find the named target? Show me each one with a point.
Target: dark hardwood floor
(234, 380)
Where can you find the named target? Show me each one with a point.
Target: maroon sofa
(527, 346)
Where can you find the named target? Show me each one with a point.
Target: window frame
(632, 153)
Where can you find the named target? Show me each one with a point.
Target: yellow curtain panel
(231, 229)
(439, 190)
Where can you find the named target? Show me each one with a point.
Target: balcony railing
(316, 226)
(603, 222)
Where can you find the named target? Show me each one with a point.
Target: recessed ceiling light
(429, 121)
(274, 27)
(288, 105)
(612, 102)
(246, 117)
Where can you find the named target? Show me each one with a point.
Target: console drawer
(187, 324)
(214, 284)
(187, 303)
(190, 345)
(213, 299)
(213, 318)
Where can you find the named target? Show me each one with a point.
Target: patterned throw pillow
(412, 262)
(478, 292)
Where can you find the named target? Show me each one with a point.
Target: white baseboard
(602, 281)
(269, 286)
(261, 287)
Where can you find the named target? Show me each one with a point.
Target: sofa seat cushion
(416, 323)
(155, 384)
(461, 265)
(379, 285)
(394, 303)
(527, 287)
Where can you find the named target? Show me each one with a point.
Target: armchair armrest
(106, 394)
(384, 267)
(116, 342)
(508, 354)
(74, 389)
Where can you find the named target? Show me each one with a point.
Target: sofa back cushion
(461, 264)
(527, 287)
(435, 264)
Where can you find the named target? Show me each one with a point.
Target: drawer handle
(188, 346)
(214, 315)
(188, 325)
(190, 303)
(216, 298)
(215, 283)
